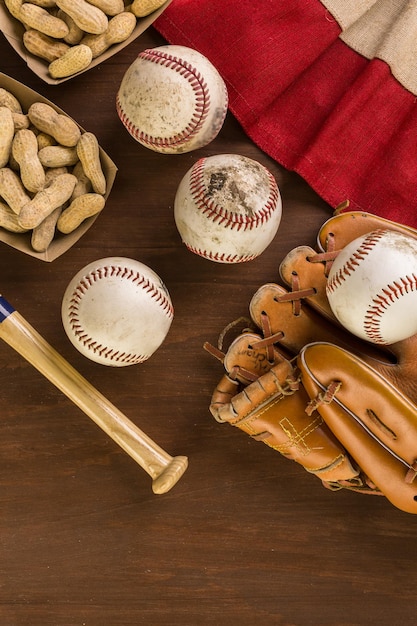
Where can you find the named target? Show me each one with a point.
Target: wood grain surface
(245, 536)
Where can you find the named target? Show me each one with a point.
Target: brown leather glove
(341, 407)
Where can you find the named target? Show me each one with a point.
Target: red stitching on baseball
(85, 283)
(354, 260)
(222, 257)
(382, 302)
(217, 213)
(201, 94)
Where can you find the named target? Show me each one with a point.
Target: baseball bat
(164, 469)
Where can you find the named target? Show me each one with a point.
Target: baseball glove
(343, 408)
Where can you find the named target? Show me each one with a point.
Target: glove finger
(272, 410)
(272, 310)
(345, 227)
(377, 425)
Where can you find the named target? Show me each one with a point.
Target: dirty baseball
(227, 208)
(116, 311)
(372, 287)
(172, 99)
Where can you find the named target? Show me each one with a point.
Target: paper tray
(61, 243)
(13, 31)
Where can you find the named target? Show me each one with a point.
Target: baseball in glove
(296, 379)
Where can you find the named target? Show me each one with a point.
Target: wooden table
(245, 536)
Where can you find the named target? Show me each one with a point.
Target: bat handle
(164, 469)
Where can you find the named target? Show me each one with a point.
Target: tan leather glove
(341, 407)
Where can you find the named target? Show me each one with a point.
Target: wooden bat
(164, 469)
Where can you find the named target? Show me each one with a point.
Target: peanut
(120, 28)
(58, 125)
(44, 139)
(46, 4)
(47, 200)
(40, 19)
(83, 184)
(140, 8)
(58, 156)
(12, 190)
(84, 206)
(75, 33)
(25, 152)
(9, 220)
(76, 59)
(45, 47)
(8, 100)
(52, 173)
(13, 164)
(14, 7)
(88, 17)
(20, 120)
(109, 7)
(89, 155)
(6, 134)
(43, 234)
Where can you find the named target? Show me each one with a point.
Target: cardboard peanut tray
(13, 31)
(61, 243)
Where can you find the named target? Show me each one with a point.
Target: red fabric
(310, 102)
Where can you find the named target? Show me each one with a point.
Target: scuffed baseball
(372, 287)
(116, 311)
(227, 208)
(172, 99)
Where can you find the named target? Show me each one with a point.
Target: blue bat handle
(5, 309)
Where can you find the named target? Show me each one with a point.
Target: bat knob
(170, 475)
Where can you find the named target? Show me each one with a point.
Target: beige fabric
(383, 29)
(346, 12)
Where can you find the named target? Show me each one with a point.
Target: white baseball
(372, 287)
(172, 99)
(227, 208)
(116, 311)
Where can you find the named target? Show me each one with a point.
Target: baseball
(227, 208)
(172, 99)
(372, 287)
(116, 311)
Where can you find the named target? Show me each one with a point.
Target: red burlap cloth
(309, 100)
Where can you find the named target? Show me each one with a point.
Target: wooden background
(246, 536)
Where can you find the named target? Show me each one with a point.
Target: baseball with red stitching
(228, 208)
(372, 287)
(172, 99)
(116, 311)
